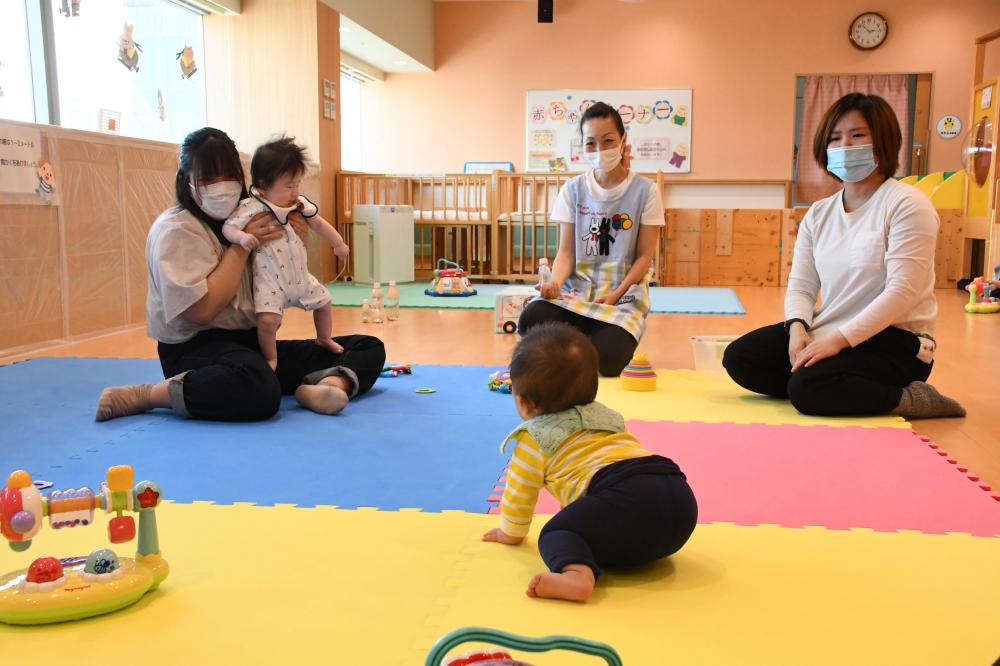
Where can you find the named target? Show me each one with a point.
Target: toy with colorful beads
(397, 369)
(57, 590)
(639, 375)
(500, 381)
(980, 304)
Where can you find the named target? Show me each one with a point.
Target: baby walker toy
(72, 588)
(500, 381)
(977, 304)
(450, 281)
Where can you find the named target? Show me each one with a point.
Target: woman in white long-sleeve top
(867, 254)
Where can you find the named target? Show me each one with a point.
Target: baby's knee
(268, 322)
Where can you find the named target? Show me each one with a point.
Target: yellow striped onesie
(561, 452)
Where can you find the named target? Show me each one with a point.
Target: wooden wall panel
(948, 266)
(30, 275)
(791, 218)
(755, 254)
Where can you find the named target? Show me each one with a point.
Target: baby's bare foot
(330, 344)
(575, 583)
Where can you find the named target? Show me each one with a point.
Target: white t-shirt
(652, 214)
(180, 253)
(874, 266)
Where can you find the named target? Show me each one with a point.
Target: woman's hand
(264, 227)
(798, 339)
(550, 290)
(627, 156)
(609, 299)
(499, 536)
(817, 350)
(299, 226)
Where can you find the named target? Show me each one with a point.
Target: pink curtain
(811, 181)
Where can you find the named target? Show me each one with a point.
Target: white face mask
(851, 164)
(605, 160)
(219, 200)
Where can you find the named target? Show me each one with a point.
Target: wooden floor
(967, 366)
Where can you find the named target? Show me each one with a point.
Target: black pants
(615, 345)
(634, 512)
(228, 380)
(863, 380)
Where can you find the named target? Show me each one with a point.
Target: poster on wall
(657, 124)
(20, 159)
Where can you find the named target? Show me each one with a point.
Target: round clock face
(869, 30)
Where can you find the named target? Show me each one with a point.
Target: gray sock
(922, 401)
(321, 398)
(123, 401)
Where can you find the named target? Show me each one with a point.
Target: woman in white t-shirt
(867, 253)
(609, 219)
(200, 309)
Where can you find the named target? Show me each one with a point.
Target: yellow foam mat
(255, 585)
(686, 395)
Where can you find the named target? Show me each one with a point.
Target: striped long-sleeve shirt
(565, 473)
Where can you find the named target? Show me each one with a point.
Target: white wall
(406, 24)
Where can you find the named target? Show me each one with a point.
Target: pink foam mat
(884, 479)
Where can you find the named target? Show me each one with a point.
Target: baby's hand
(341, 250)
(499, 536)
(249, 243)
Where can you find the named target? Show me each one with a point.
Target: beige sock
(123, 401)
(922, 401)
(321, 398)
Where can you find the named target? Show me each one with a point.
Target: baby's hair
(602, 110)
(273, 160)
(554, 367)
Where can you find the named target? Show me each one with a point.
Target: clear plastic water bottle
(378, 314)
(377, 303)
(392, 302)
(366, 312)
(544, 272)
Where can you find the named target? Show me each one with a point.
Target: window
(351, 151)
(17, 99)
(908, 94)
(146, 91)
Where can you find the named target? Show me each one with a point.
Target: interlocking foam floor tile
(429, 462)
(694, 300)
(411, 295)
(881, 478)
(685, 395)
(264, 585)
(392, 448)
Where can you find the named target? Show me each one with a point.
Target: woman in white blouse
(867, 254)
(200, 309)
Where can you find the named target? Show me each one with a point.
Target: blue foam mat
(392, 448)
(695, 300)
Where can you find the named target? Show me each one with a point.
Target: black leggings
(228, 380)
(863, 380)
(625, 519)
(615, 345)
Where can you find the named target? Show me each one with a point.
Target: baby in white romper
(281, 276)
